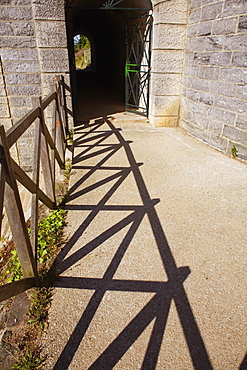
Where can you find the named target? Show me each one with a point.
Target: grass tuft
(30, 360)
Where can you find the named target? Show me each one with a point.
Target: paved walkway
(153, 274)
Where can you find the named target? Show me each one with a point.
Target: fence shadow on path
(159, 305)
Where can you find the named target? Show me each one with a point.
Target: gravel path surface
(153, 274)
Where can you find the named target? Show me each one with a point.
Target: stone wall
(19, 55)
(169, 36)
(51, 40)
(214, 94)
(4, 101)
(33, 51)
(20, 63)
(5, 112)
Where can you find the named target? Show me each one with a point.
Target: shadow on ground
(91, 142)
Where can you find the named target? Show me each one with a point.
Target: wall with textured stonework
(4, 103)
(51, 38)
(21, 68)
(33, 51)
(214, 94)
(20, 59)
(49, 19)
(169, 36)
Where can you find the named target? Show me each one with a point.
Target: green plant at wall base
(49, 233)
(234, 151)
(71, 136)
(68, 167)
(14, 267)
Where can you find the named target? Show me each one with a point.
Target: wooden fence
(49, 148)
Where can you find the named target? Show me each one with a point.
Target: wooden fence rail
(49, 147)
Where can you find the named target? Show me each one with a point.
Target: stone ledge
(163, 121)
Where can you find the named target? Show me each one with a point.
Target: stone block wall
(19, 56)
(51, 38)
(4, 102)
(214, 93)
(169, 36)
(33, 51)
(20, 65)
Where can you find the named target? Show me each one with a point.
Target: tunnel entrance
(119, 32)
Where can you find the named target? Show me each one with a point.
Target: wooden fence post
(53, 135)
(64, 104)
(59, 99)
(2, 186)
(36, 176)
(61, 139)
(45, 158)
(12, 203)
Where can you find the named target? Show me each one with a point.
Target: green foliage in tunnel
(82, 51)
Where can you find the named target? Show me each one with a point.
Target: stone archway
(169, 36)
(106, 22)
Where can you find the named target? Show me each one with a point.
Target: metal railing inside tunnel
(49, 149)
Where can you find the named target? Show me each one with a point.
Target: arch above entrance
(169, 34)
(107, 21)
(109, 4)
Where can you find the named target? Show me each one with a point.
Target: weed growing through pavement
(71, 136)
(67, 171)
(41, 300)
(31, 359)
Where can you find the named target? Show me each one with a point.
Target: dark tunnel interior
(106, 30)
